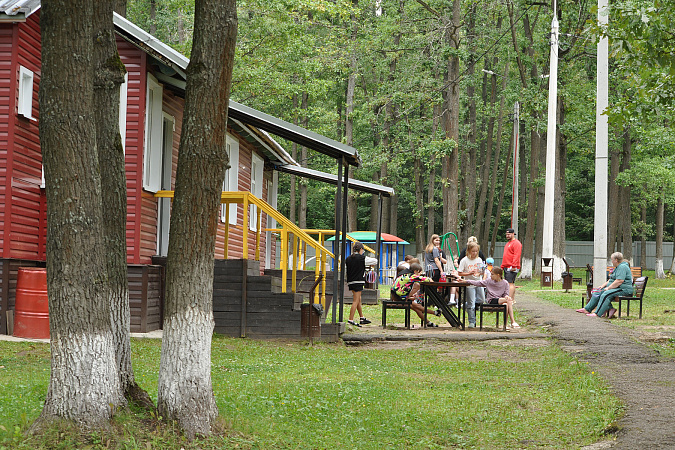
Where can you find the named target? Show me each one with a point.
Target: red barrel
(31, 309)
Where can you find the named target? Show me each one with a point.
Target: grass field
(292, 395)
(425, 394)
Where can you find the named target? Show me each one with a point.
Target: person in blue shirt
(619, 283)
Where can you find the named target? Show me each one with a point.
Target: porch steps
(267, 314)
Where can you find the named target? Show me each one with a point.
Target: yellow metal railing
(287, 228)
(322, 238)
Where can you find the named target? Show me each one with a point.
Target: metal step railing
(287, 228)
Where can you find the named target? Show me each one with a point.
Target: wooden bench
(492, 308)
(635, 271)
(396, 302)
(640, 284)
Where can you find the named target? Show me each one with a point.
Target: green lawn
(292, 395)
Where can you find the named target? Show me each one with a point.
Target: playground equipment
(446, 242)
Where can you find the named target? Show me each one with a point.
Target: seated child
(408, 286)
(497, 292)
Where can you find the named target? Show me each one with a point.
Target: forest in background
(425, 91)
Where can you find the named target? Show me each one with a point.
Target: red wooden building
(151, 114)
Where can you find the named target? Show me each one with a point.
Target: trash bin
(31, 309)
(310, 319)
(567, 280)
(547, 272)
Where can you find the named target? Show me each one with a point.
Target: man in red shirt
(511, 260)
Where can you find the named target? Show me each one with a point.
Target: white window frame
(123, 111)
(25, 104)
(231, 182)
(152, 153)
(257, 171)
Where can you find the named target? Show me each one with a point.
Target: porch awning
(362, 186)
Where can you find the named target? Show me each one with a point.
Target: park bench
(396, 302)
(640, 284)
(636, 272)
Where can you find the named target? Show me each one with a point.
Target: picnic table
(436, 293)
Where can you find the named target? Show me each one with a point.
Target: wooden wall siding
(145, 297)
(173, 106)
(24, 205)
(7, 103)
(135, 63)
(9, 270)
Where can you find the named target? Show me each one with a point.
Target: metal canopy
(362, 186)
(294, 133)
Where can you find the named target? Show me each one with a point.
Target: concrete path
(643, 380)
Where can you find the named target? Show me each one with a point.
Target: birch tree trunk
(185, 392)
(84, 385)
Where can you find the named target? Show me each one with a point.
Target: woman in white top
(471, 268)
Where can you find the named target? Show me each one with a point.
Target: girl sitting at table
(407, 286)
(471, 267)
(497, 292)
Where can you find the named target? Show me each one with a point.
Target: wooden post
(257, 234)
(244, 298)
(284, 258)
(244, 230)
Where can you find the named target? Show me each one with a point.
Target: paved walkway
(638, 375)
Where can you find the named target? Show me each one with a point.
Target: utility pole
(516, 163)
(601, 152)
(547, 240)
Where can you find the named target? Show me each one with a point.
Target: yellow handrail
(321, 234)
(246, 198)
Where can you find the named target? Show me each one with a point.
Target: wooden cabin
(151, 113)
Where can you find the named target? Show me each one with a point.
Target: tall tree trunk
(486, 161)
(108, 77)
(560, 194)
(658, 266)
(294, 155)
(498, 146)
(302, 217)
(419, 194)
(672, 264)
(431, 187)
(498, 214)
(469, 170)
(450, 122)
(374, 205)
(540, 211)
(613, 206)
(84, 384)
(625, 200)
(185, 392)
(526, 263)
(643, 236)
(153, 17)
(120, 7)
(352, 206)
